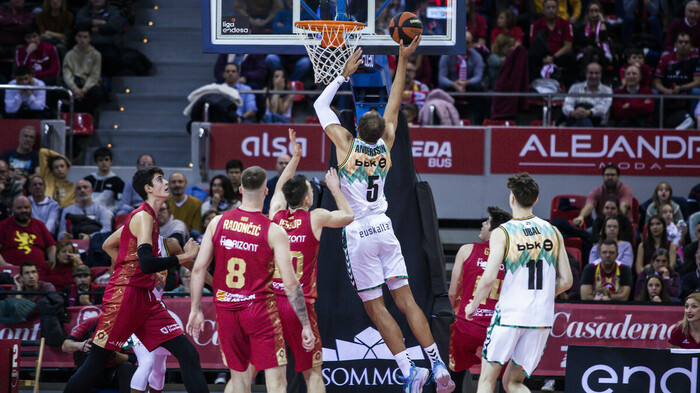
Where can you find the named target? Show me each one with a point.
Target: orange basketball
(405, 26)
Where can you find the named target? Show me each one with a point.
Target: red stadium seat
(576, 201)
(466, 122)
(312, 120)
(120, 220)
(298, 86)
(576, 253)
(82, 123)
(635, 211)
(98, 271)
(10, 269)
(81, 244)
(573, 242)
(492, 122)
(539, 123)
(7, 287)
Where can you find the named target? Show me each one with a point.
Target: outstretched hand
(332, 180)
(406, 51)
(353, 63)
(296, 148)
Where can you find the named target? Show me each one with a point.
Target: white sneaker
(220, 379)
(442, 378)
(414, 382)
(548, 385)
(687, 124)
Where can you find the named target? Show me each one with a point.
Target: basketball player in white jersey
(537, 270)
(373, 253)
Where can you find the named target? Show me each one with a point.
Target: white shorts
(372, 252)
(525, 346)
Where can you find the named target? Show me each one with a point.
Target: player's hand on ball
(353, 63)
(296, 148)
(405, 51)
(195, 322)
(332, 180)
(191, 249)
(307, 338)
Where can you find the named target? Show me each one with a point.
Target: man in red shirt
(304, 229)
(39, 56)
(466, 336)
(247, 245)
(23, 238)
(612, 188)
(551, 42)
(129, 304)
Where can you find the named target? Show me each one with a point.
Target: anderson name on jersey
(362, 176)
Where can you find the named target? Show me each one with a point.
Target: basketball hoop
(329, 43)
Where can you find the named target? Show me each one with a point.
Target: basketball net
(329, 44)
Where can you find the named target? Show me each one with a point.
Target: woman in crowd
(655, 239)
(591, 37)
(654, 291)
(207, 216)
(611, 230)
(60, 273)
(663, 194)
(55, 23)
(676, 231)
(686, 334)
(222, 198)
(278, 106)
(611, 208)
(505, 24)
(659, 267)
(500, 49)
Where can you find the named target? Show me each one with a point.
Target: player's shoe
(417, 377)
(442, 378)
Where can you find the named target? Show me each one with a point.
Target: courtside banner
(435, 149)
(633, 370)
(583, 151)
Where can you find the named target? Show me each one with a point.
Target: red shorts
(465, 340)
(251, 335)
(303, 359)
(129, 310)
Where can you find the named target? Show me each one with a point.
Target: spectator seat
(98, 270)
(298, 86)
(120, 220)
(81, 244)
(82, 123)
(576, 254)
(493, 122)
(576, 201)
(10, 269)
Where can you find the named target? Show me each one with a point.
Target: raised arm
(391, 112)
(201, 264)
(341, 137)
(333, 219)
(279, 242)
(278, 202)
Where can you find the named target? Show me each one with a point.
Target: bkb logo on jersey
(547, 245)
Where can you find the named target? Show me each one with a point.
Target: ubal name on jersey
(242, 226)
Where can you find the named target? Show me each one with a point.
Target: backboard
(267, 26)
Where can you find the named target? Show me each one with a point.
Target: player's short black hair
(233, 164)
(524, 188)
(608, 242)
(144, 177)
(102, 152)
(253, 178)
(82, 28)
(629, 52)
(370, 127)
(295, 190)
(25, 264)
(498, 217)
(609, 166)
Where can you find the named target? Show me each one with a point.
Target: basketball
(405, 26)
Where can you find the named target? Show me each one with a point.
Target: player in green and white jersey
(537, 270)
(373, 253)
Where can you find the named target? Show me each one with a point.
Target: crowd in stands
(543, 45)
(74, 44)
(645, 251)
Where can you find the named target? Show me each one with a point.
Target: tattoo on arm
(296, 299)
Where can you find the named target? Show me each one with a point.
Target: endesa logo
(606, 379)
(228, 26)
(439, 154)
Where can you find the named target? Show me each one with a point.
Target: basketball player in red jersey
(246, 245)
(129, 304)
(466, 336)
(304, 229)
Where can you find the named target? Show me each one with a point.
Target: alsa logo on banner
(259, 146)
(612, 377)
(439, 154)
(368, 344)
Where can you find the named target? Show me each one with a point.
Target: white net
(329, 48)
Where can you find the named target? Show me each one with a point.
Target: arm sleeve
(478, 68)
(13, 101)
(37, 100)
(323, 103)
(149, 263)
(62, 224)
(443, 74)
(52, 220)
(105, 218)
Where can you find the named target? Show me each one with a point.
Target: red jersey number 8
(235, 278)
